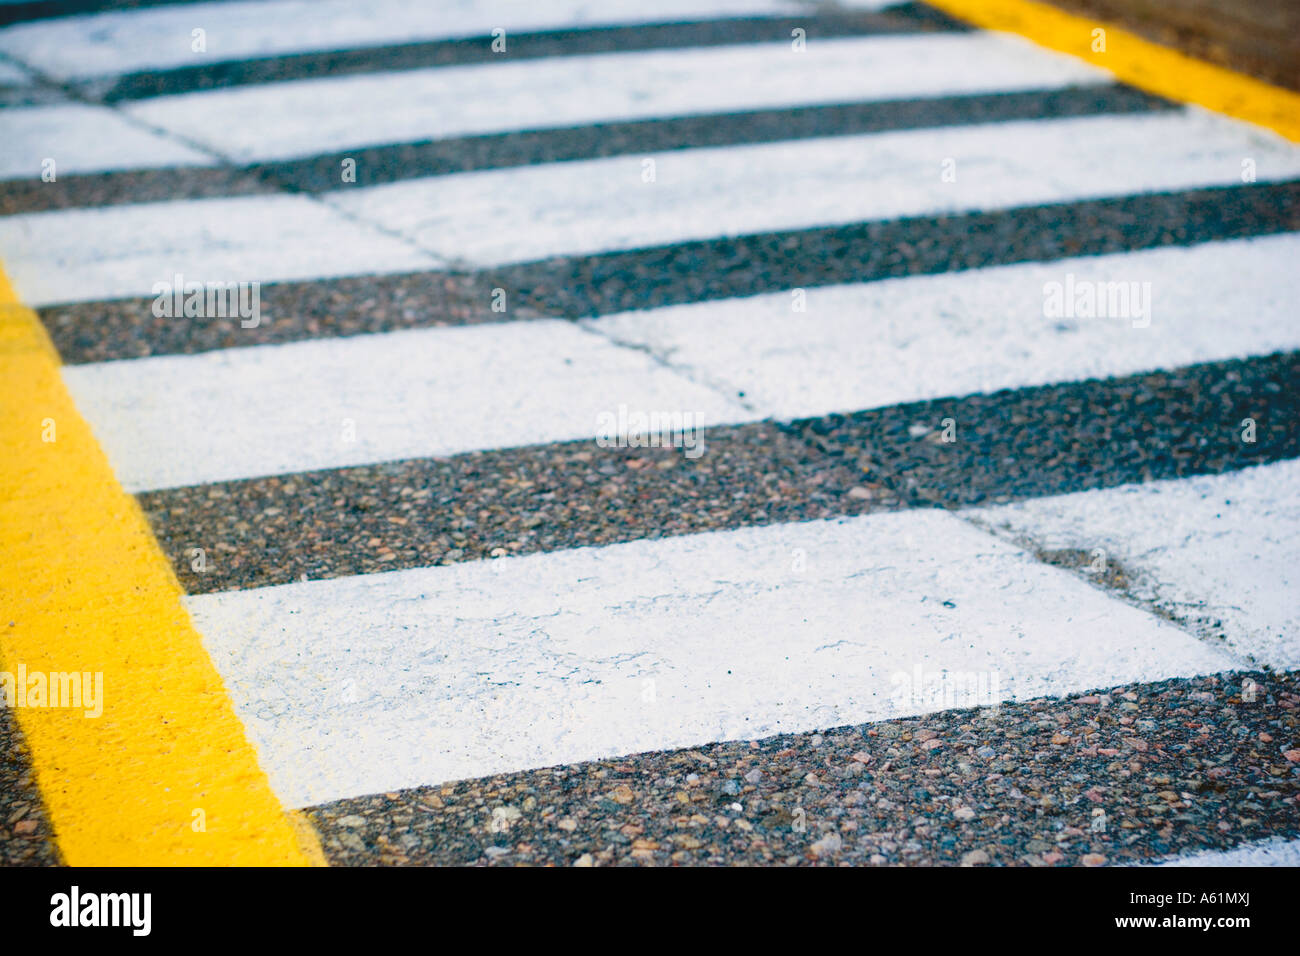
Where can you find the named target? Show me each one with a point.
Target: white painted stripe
(325, 115)
(180, 420)
(177, 420)
(490, 667)
(84, 139)
(910, 339)
(1219, 552)
(160, 38)
(1272, 853)
(587, 207)
(513, 215)
(118, 251)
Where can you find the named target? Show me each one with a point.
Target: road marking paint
(844, 348)
(302, 118)
(604, 205)
(1270, 853)
(84, 588)
(239, 413)
(489, 667)
(161, 37)
(625, 202)
(88, 254)
(1138, 62)
(178, 420)
(710, 270)
(899, 451)
(1219, 551)
(393, 162)
(84, 139)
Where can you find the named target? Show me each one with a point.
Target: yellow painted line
(1138, 62)
(165, 776)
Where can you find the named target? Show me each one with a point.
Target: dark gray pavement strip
(770, 262)
(378, 165)
(1072, 437)
(48, 9)
(290, 312)
(86, 190)
(385, 164)
(1012, 444)
(1130, 774)
(530, 45)
(694, 271)
(26, 838)
(438, 511)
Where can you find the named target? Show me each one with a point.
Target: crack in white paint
(1219, 553)
(551, 670)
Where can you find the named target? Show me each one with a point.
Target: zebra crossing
(946, 545)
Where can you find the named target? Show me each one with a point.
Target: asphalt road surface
(711, 432)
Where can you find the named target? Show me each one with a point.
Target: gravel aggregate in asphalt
(1011, 444)
(487, 504)
(525, 45)
(579, 287)
(290, 312)
(1057, 439)
(860, 252)
(87, 190)
(25, 10)
(1172, 767)
(1124, 775)
(26, 838)
(394, 162)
